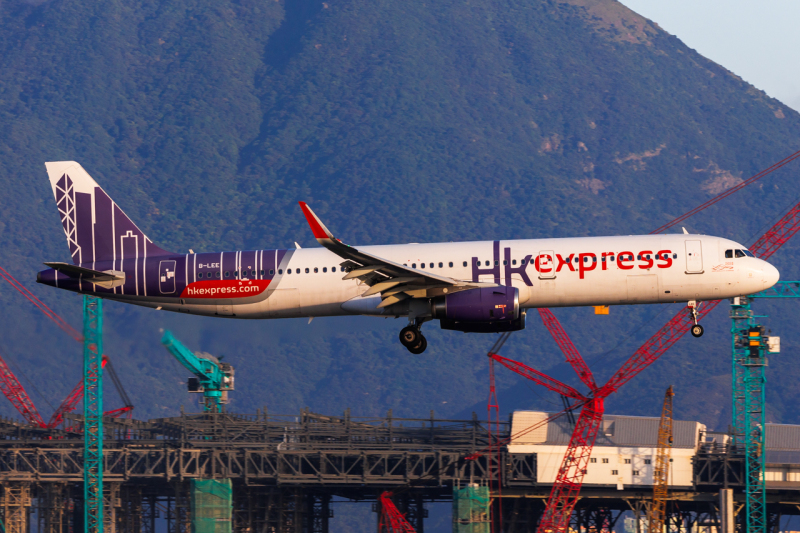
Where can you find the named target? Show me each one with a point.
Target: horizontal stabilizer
(105, 278)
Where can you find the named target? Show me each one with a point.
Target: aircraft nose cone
(771, 275)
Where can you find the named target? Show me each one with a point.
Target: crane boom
(391, 520)
(661, 472)
(215, 379)
(570, 351)
(13, 390)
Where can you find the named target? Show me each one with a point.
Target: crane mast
(661, 472)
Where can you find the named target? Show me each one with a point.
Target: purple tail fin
(96, 228)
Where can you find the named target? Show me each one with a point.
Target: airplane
(481, 286)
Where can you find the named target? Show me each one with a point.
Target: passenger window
(728, 254)
(306, 270)
(674, 256)
(333, 269)
(739, 253)
(505, 262)
(216, 274)
(639, 257)
(522, 262)
(262, 272)
(577, 259)
(513, 261)
(297, 270)
(422, 265)
(432, 265)
(288, 270)
(413, 265)
(271, 272)
(594, 259)
(465, 263)
(227, 274)
(316, 270)
(487, 263)
(200, 275)
(441, 265)
(450, 264)
(495, 263)
(324, 270)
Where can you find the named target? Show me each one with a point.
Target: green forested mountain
(397, 121)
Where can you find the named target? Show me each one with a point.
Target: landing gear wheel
(410, 336)
(697, 330)
(419, 348)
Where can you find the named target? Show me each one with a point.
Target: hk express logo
(547, 264)
(225, 288)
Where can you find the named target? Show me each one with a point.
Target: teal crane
(213, 378)
(93, 414)
(750, 347)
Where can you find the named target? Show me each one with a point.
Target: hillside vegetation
(398, 122)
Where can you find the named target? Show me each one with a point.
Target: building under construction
(278, 473)
(219, 472)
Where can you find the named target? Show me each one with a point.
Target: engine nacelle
(482, 310)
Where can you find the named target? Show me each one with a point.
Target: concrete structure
(623, 456)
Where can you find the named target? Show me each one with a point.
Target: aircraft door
(694, 257)
(546, 264)
(166, 277)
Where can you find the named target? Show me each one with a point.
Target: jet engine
(482, 310)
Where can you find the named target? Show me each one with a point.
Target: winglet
(317, 227)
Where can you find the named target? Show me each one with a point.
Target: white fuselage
(556, 273)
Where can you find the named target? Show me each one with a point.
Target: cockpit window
(728, 254)
(748, 253)
(740, 253)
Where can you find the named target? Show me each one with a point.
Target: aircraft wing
(395, 282)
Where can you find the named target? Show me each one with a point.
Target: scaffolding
(471, 510)
(211, 505)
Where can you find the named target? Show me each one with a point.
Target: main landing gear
(412, 338)
(697, 329)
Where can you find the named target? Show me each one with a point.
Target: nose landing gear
(697, 329)
(411, 337)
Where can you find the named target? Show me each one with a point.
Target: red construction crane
(13, 390)
(390, 519)
(724, 194)
(569, 478)
(16, 394)
(72, 400)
